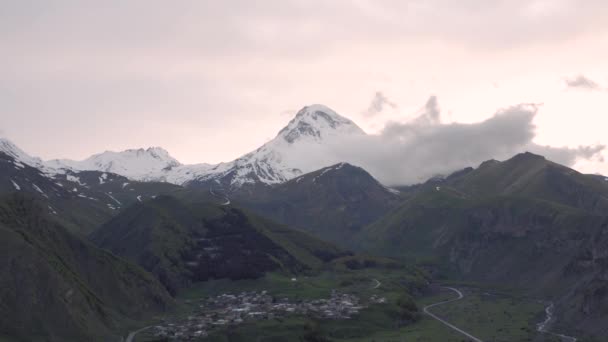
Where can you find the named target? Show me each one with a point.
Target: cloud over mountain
(406, 153)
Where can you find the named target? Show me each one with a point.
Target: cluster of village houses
(228, 309)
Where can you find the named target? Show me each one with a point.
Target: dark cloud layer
(406, 153)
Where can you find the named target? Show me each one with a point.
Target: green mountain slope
(55, 286)
(524, 223)
(333, 203)
(183, 242)
(530, 175)
(81, 200)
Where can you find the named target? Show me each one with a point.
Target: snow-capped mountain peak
(20, 157)
(316, 122)
(302, 146)
(139, 164)
(306, 144)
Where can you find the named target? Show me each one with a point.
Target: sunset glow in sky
(211, 80)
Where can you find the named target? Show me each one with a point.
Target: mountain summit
(303, 146)
(316, 122)
(140, 164)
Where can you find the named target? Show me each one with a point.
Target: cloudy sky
(211, 80)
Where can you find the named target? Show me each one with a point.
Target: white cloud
(406, 153)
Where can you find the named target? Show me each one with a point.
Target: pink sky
(209, 81)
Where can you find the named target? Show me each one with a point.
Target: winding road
(446, 323)
(132, 334)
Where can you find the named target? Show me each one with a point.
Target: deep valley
(261, 249)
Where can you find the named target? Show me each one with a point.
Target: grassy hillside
(525, 223)
(529, 175)
(81, 200)
(333, 203)
(56, 287)
(183, 242)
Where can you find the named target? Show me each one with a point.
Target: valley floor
(488, 316)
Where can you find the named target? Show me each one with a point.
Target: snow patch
(17, 187)
(74, 179)
(392, 191)
(322, 173)
(87, 197)
(114, 199)
(52, 210)
(39, 190)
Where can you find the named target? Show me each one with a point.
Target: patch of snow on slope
(17, 187)
(87, 197)
(73, 179)
(39, 190)
(114, 199)
(52, 210)
(393, 191)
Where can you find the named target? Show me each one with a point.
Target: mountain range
(141, 217)
(304, 145)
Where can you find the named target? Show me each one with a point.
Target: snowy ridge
(303, 146)
(300, 147)
(20, 157)
(139, 164)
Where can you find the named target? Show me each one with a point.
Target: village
(228, 309)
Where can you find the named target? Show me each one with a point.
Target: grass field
(493, 317)
(490, 317)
